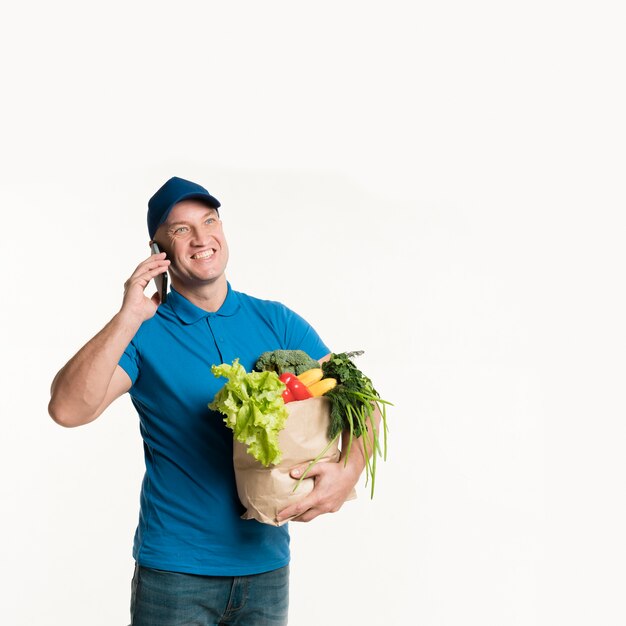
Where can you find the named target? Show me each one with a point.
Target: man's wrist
(127, 318)
(354, 462)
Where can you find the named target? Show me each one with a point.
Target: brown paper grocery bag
(265, 491)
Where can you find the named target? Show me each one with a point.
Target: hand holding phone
(161, 279)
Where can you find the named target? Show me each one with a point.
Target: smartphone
(161, 279)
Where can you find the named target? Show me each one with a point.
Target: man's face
(194, 241)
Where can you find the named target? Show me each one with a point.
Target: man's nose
(199, 236)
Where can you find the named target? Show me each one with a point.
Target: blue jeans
(170, 599)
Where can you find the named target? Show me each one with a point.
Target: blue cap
(173, 191)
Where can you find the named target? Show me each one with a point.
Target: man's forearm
(80, 387)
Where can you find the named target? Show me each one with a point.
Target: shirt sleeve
(300, 335)
(129, 361)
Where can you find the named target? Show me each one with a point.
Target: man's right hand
(92, 378)
(135, 302)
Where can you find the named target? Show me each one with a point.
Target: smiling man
(197, 561)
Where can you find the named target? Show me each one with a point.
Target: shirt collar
(189, 313)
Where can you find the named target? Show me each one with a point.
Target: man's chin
(197, 280)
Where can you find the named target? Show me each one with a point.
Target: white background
(437, 183)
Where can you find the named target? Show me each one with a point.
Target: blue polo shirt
(189, 517)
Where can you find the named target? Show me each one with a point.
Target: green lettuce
(254, 409)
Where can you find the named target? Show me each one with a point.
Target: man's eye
(181, 229)
(210, 220)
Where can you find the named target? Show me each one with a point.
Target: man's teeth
(203, 255)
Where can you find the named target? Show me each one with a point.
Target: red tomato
(298, 390)
(287, 395)
(286, 378)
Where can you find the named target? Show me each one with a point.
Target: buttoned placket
(216, 330)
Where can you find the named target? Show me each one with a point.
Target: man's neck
(208, 296)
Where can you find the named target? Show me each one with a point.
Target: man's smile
(205, 254)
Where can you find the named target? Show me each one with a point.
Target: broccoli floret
(281, 361)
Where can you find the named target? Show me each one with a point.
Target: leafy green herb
(353, 401)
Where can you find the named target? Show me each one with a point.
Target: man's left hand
(333, 484)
